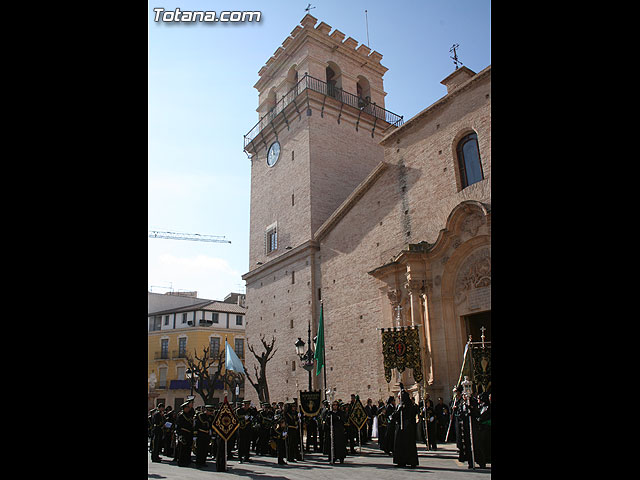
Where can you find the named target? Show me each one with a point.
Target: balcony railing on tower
(329, 90)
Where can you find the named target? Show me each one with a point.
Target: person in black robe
(442, 419)
(455, 432)
(321, 426)
(370, 410)
(405, 451)
(335, 419)
(482, 432)
(466, 413)
(391, 425)
(383, 421)
(429, 418)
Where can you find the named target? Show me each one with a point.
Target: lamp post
(191, 375)
(306, 357)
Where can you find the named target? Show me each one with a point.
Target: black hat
(209, 407)
(185, 404)
(160, 405)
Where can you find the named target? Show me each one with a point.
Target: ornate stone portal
(435, 286)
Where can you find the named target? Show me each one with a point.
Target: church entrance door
(474, 324)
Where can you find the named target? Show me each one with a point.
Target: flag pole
(324, 350)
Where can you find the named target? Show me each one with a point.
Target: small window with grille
(271, 238)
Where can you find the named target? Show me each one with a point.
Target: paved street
(441, 464)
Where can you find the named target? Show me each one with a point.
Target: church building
(384, 222)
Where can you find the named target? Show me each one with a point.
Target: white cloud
(211, 277)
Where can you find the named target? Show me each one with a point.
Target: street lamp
(191, 376)
(306, 357)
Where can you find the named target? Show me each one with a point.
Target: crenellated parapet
(360, 55)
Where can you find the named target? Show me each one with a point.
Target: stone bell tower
(321, 117)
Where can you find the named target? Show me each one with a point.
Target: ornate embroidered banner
(401, 349)
(481, 367)
(226, 421)
(358, 416)
(310, 403)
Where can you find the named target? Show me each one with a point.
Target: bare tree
(207, 378)
(260, 384)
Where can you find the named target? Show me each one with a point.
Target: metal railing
(329, 90)
(162, 355)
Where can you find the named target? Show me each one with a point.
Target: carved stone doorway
(474, 323)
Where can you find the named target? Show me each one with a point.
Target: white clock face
(274, 154)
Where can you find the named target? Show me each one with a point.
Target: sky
(201, 102)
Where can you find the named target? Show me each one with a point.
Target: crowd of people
(281, 430)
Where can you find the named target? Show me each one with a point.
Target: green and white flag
(319, 354)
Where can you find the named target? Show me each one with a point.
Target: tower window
(469, 160)
(271, 239)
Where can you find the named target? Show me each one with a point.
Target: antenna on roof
(366, 18)
(455, 55)
(309, 7)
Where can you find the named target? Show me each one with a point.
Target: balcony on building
(356, 102)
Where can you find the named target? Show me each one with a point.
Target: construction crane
(196, 237)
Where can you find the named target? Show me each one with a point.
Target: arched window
(363, 91)
(292, 78)
(469, 160)
(271, 105)
(334, 80)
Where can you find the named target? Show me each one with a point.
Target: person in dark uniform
(405, 451)
(245, 418)
(150, 428)
(335, 419)
(442, 419)
(167, 432)
(352, 430)
(157, 424)
(264, 422)
(202, 427)
(254, 428)
(293, 435)
(312, 433)
(280, 433)
(184, 428)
